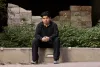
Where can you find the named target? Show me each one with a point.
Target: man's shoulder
(54, 23)
(39, 24)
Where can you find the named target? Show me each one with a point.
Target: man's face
(46, 19)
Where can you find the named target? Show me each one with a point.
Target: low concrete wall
(24, 55)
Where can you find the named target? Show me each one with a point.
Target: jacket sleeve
(37, 32)
(55, 33)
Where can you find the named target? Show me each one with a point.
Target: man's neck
(46, 25)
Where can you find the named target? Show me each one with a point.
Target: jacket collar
(45, 25)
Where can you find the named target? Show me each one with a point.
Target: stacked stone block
(64, 17)
(81, 16)
(77, 16)
(86, 16)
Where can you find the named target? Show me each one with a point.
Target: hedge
(22, 36)
(17, 36)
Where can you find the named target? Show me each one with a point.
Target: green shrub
(22, 36)
(74, 37)
(18, 36)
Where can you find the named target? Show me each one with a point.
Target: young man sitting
(46, 35)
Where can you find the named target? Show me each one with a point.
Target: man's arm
(37, 32)
(56, 32)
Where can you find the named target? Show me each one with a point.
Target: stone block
(75, 8)
(76, 24)
(64, 13)
(62, 23)
(56, 18)
(16, 21)
(9, 21)
(26, 17)
(85, 13)
(36, 19)
(62, 18)
(86, 24)
(83, 55)
(22, 10)
(86, 8)
(75, 16)
(17, 55)
(49, 58)
(12, 14)
(16, 16)
(12, 5)
(45, 55)
(74, 13)
(15, 10)
(86, 16)
(81, 24)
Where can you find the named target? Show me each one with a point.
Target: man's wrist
(40, 38)
(50, 37)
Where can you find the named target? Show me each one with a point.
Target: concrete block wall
(81, 16)
(14, 55)
(24, 55)
(77, 16)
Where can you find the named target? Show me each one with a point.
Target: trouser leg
(56, 46)
(35, 44)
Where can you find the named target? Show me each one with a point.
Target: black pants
(37, 43)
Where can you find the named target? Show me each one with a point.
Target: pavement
(69, 64)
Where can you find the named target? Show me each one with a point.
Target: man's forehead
(45, 17)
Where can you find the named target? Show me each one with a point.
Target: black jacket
(50, 31)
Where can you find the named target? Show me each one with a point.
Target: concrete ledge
(24, 55)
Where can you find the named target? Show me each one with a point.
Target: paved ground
(76, 64)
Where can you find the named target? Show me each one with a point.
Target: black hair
(46, 13)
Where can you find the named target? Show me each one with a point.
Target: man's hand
(45, 39)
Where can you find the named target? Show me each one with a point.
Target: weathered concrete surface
(18, 15)
(75, 8)
(36, 19)
(24, 55)
(77, 64)
(81, 16)
(77, 16)
(14, 55)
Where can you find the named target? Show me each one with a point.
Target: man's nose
(45, 19)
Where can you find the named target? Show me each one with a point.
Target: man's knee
(56, 43)
(57, 39)
(35, 41)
